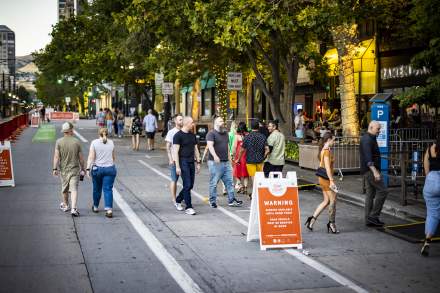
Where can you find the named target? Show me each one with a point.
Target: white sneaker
(64, 207)
(74, 213)
(178, 206)
(190, 211)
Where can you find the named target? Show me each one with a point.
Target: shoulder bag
(321, 171)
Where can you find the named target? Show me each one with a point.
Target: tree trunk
(344, 37)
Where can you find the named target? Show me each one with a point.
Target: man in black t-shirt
(185, 150)
(219, 163)
(370, 169)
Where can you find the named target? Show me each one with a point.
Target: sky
(31, 20)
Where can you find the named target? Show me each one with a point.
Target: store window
(207, 102)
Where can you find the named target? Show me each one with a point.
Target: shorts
(150, 135)
(173, 174)
(69, 182)
(268, 167)
(254, 168)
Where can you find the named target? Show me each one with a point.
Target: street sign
(233, 100)
(235, 81)
(275, 212)
(158, 80)
(167, 88)
(6, 165)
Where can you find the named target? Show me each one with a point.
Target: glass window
(207, 102)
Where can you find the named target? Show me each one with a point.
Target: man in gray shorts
(69, 157)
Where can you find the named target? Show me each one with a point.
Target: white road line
(80, 136)
(171, 265)
(149, 157)
(295, 253)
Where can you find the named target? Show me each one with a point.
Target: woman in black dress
(136, 129)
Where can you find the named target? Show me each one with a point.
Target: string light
(222, 91)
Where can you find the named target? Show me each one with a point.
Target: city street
(149, 246)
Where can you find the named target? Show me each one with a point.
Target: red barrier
(13, 127)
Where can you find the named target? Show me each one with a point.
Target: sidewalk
(351, 190)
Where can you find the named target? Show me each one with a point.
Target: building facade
(7, 51)
(69, 8)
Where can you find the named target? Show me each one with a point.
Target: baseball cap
(66, 127)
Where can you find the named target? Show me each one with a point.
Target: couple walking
(68, 162)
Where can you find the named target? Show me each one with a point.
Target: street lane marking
(149, 157)
(198, 195)
(80, 136)
(295, 253)
(169, 262)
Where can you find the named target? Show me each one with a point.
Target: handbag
(321, 171)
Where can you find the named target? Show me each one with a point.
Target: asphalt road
(150, 247)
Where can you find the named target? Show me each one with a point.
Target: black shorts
(150, 135)
(268, 167)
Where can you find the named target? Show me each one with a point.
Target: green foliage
(50, 92)
(425, 28)
(292, 150)
(23, 93)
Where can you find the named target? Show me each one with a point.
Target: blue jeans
(188, 172)
(103, 179)
(110, 127)
(223, 171)
(431, 193)
(120, 127)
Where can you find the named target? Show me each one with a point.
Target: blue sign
(381, 113)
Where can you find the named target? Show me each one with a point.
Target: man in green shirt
(276, 145)
(69, 157)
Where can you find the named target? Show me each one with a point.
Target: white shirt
(150, 123)
(103, 152)
(169, 138)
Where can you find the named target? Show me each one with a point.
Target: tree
(23, 93)
(276, 37)
(425, 28)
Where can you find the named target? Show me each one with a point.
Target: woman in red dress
(240, 171)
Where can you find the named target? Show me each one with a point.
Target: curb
(359, 200)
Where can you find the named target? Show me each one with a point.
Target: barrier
(64, 116)
(11, 128)
(409, 134)
(275, 212)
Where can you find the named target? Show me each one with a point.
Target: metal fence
(346, 154)
(409, 134)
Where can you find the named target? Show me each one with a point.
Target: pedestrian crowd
(233, 158)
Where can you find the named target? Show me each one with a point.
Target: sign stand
(6, 166)
(275, 212)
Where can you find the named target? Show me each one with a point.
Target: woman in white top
(100, 165)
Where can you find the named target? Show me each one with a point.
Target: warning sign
(6, 168)
(233, 100)
(275, 213)
(35, 120)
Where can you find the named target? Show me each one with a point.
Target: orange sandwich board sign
(35, 119)
(6, 167)
(275, 212)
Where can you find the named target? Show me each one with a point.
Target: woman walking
(109, 121)
(120, 123)
(431, 193)
(136, 129)
(101, 167)
(328, 186)
(240, 170)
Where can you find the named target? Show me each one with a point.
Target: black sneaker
(213, 205)
(372, 222)
(235, 203)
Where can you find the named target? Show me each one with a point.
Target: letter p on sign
(379, 113)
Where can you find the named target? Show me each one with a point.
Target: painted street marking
(295, 253)
(169, 262)
(80, 136)
(149, 157)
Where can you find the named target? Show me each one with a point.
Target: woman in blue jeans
(101, 167)
(431, 193)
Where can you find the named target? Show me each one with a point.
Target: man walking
(185, 150)
(178, 123)
(370, 169)
(69, 157)
(150, 126)
(219, 163)
(254, 144)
